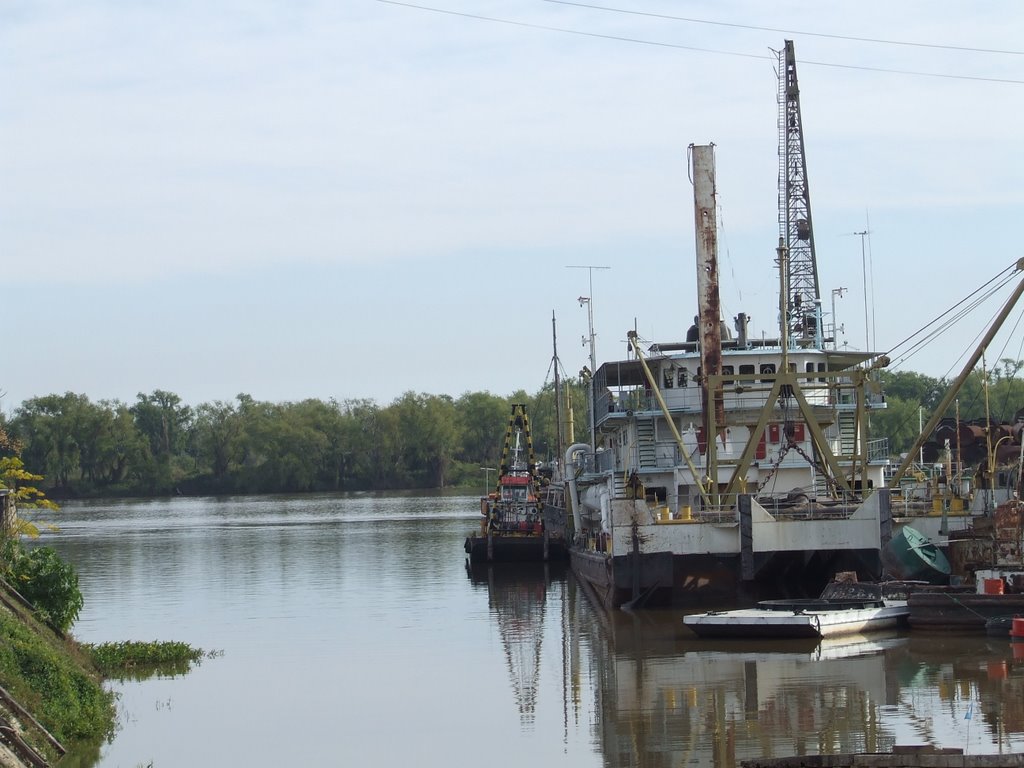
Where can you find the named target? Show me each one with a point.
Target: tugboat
(512, 525)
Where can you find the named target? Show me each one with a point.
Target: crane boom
(795, 230)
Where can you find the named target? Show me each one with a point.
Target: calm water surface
(353, 634)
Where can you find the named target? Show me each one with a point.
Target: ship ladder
(645, 443)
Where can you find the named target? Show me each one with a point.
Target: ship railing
(800, 507)
(748, 396)
(878, 449)
(717, 515)
(788, 507)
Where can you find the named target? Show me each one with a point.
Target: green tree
(429, 434)
(482, 420)
(164, 422)
(377, 443)
(54, 429)
(216, 430)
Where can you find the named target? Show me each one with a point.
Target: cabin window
(747, 369)
(727, 370)
(656, 494)
(684, 377)
(767, 369)
(821, 369)
(667, 378)
(809, 367)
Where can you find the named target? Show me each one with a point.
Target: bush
(141, 660)
(49, 583)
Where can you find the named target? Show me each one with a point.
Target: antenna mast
(804, 300)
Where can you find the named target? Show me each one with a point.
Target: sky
(358, 199)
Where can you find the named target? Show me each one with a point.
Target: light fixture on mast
(835, 326)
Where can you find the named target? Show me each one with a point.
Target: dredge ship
(729, 465)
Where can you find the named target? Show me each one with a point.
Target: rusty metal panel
(971, 551)
(1007, 533)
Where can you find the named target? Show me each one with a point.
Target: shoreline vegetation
(54, 704)
(160, 446)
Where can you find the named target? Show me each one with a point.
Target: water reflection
(354, 622)
(661, 697)
(670, 699)
(517, 596)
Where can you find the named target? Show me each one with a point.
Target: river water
(350, 632)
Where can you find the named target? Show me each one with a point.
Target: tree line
(159, 445)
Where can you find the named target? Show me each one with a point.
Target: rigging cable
(1002, 278)
(679, 46)
(949, 323)
(851, 38)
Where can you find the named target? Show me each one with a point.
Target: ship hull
(653, 579)
(733, 558)
(515, 549)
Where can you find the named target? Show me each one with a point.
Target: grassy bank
(51, 677)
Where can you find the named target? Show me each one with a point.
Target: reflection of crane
(518, 603)
(795, 230)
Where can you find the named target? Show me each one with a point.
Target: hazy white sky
(355, 199)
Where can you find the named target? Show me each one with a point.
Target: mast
(795, 230)
(558, 398)
(589, 373)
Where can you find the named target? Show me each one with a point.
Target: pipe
(574, 496)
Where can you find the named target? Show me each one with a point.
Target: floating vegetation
(136, 660)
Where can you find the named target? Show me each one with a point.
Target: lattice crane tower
(795, 230)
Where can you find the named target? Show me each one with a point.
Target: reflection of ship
(663, 699)
(513, 526)
(517, 594)
(666, 700)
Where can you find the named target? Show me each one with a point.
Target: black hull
(942, 609)
(663, 578)
(654, 578)
(516, 549)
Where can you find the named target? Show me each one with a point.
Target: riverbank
(52, 696)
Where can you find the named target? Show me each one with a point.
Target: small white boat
(815, 618)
